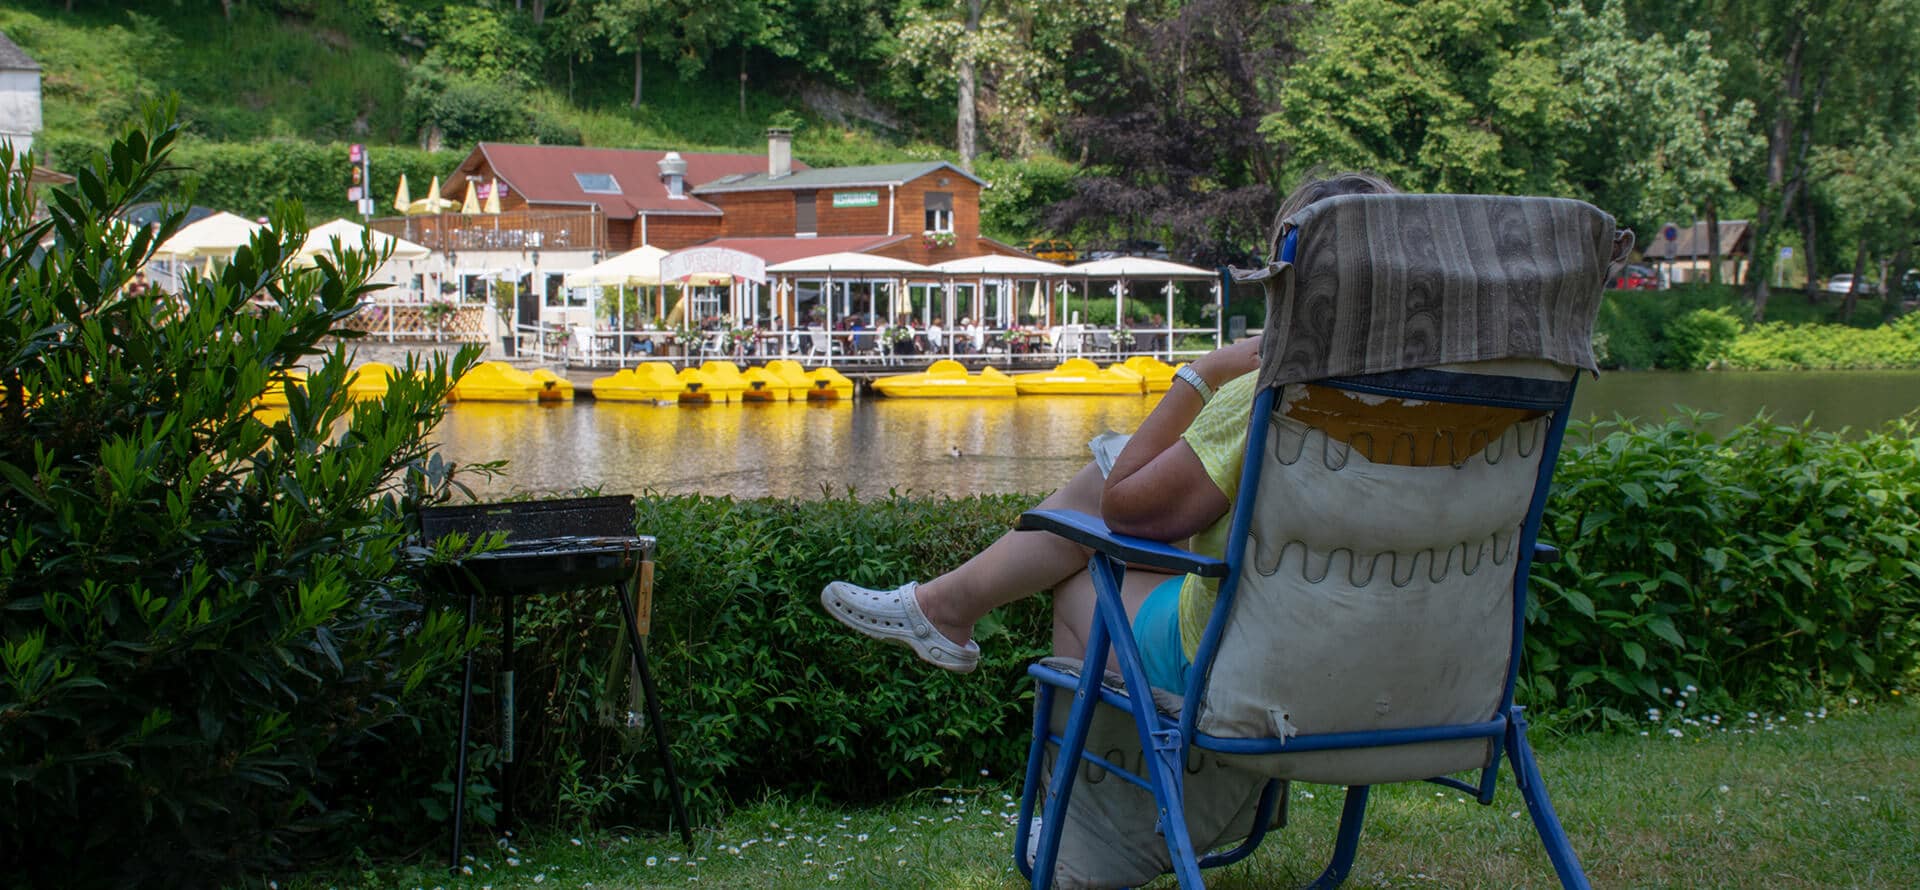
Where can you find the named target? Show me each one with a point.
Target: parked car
(1053, 250)
(1637, 277)
(1152, 250)
(1843, 282)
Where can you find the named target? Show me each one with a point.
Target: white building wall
(19, 108)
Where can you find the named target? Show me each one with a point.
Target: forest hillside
(1104, 121)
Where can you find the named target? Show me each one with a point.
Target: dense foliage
(1183, 120)
(1770, 567)
(1773, 567)
(208, 638)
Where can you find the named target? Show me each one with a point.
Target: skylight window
(597, 183)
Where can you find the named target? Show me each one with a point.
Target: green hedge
(1782, 347)
(251, 178)
(1770, 568)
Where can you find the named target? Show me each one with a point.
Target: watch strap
(1199, 383)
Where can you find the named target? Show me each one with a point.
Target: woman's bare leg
(1073, 602)
(1017, 565)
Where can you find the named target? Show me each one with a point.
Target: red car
(1637, 277)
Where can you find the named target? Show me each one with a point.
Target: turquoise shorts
(1157, 629)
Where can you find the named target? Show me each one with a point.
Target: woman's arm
(1158, 488)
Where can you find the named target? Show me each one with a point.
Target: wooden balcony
(514, 230)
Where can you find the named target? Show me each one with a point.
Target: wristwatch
(1196, 381)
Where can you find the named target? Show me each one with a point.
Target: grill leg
(508, 762)
(460, 753)
(653, 715)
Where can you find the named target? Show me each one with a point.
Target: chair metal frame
(1167, 741)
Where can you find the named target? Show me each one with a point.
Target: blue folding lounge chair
(1367, 627)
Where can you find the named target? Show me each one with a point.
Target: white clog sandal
(894, 616)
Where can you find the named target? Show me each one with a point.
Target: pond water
(873, 444)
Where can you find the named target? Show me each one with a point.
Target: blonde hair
(1318, 188)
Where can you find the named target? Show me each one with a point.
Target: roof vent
(673, 170)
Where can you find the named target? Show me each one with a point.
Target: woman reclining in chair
(1173, 480)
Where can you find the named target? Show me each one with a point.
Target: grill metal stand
(563, 545)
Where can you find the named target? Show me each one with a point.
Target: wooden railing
(442, 323)
(520, 230)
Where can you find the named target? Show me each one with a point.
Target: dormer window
(939, 212)
(597, 183)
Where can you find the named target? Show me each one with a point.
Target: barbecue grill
(548, 547)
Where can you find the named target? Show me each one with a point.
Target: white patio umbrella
(351, 235)
(849, 265)
(995, 265)
(218, 235)
(1129, 268)
(637, 267)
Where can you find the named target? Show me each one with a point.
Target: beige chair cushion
(1374, 596)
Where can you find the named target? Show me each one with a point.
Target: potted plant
(505, 296)
(934, 239)
(436, 312)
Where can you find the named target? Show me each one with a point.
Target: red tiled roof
(544, 174)
(780, 250)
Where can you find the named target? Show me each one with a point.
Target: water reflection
(799, 450)
(790, 450)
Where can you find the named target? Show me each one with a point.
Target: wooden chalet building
(580, 205)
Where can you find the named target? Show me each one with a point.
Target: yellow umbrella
(401, 198)
(493, 198)
(472, 203)
(432, 203)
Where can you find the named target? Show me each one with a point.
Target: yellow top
(1430, 430)
(1219, 436)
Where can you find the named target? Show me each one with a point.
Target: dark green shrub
(207, 639)
(762, 689)
(250, 179)
(1780, 346)
(1697, 339)
(1772, 567)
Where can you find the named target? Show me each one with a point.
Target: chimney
(779, 152)
(673, 170)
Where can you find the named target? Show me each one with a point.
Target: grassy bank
(1802, 800)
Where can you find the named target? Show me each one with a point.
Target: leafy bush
(762, 689)
(207, 636)
(251, 179)
(1698, 339)
(1771, 567)
(1779, 346)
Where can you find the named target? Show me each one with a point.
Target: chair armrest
(1545, 552)
(1092, 531)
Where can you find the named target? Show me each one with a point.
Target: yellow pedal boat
(766, 386)
(554, 388)
(275, 395)
(698, 386)
(497, 382)
(370, 380)
(724, 380)
(649, 382)
(1080, 377)
(947, 378)
(820, 384)
(1159, 374)
(827, 385)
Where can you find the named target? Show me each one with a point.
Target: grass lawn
(1806, 800)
